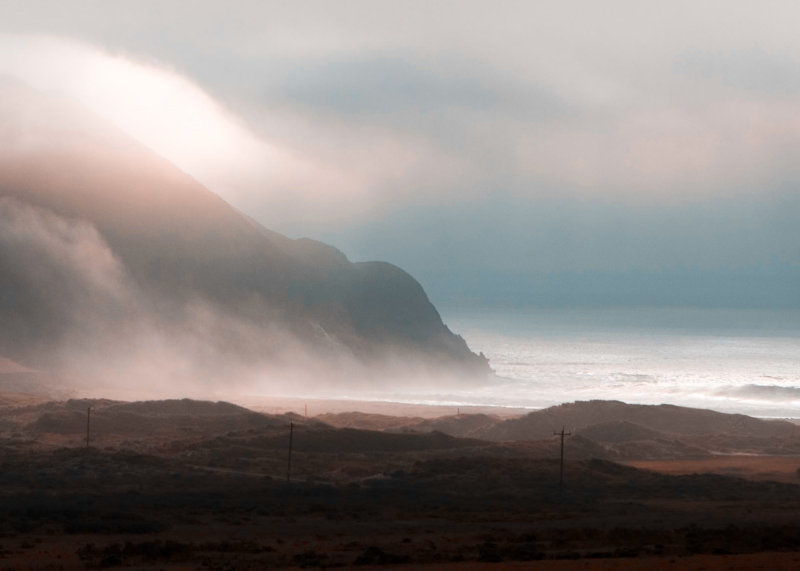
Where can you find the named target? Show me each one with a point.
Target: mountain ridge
(149, 243)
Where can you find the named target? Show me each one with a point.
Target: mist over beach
(732, 360)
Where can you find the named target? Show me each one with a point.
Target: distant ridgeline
(108, 252)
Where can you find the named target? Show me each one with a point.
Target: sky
(569, 153)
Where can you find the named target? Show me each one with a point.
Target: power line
(88, 424)
(289, 462)
(562, 434)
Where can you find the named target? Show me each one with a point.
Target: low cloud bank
(764, 392)
(70, 306)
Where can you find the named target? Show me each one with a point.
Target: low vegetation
(208, 485)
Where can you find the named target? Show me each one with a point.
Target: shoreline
(316, 406)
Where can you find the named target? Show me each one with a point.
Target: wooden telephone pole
(289, 463)
(562, 434)
(88, 424)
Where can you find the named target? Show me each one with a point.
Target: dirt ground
(767, 561)
(753, 467)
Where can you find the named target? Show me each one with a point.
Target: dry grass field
(192, 485)
(750, 466)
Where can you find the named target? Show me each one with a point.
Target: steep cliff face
(100, 236)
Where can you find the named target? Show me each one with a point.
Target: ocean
(735, 361)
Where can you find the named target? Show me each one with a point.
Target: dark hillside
(99, 234)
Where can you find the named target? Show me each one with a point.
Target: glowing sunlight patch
(157, 106)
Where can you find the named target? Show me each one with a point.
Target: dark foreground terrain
(193, 485)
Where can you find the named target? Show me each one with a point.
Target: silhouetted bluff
(107, 249)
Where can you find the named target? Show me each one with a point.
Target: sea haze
(740, 361)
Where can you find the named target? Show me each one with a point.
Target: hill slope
(671, 419)
(108, 253)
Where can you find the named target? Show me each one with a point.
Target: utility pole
(88, 423)
(562, 434)
(289, 464)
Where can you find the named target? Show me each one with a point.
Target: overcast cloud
(648, 148)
